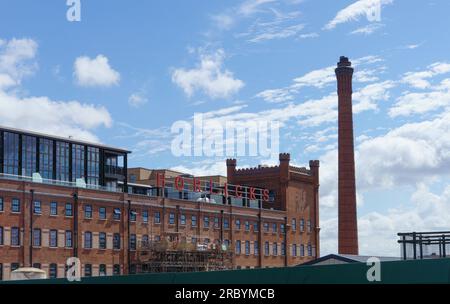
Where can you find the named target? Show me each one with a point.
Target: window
(102, 240)
(247, 226)
(266, 248)
(53, 208)
(116, 269)
(157, 218)
(206, 222)
(309, 250)
(294, 250)
(183, 219)
(302, 250)
(283, 249)
(247, 247)
(102, 270)
(256, 248)
(238, 247)
(53, 238)
(68, 239)
(28, 155)
(226, 223)
(216, 222)
(145, 216)
(266, 227)
(11, 153)
(62, 161)
(144, 240)
(37, 237)
(37, 207)
(15, 205)
(93, 165)
(255, 227)
(309, 225)
(171, 218)
(133, 269)
(88, 240)
(15, 236)
(69, 211)
(133, 215)
(1, 204)
(275, 249)
(274, 227)
(87, 211)
(238, 224)
(294, 224)
(37, 265)
(53, 271)
(302, 225)
(116, 214)
(69, 242)
(102, 213)
(77, 162)
(14, 266)
(194, 221)
(194, 240)
(1, 271)
(133, 241)
(88, 270)
(206, 241)
(116, 241)
(46, 158)
(282, 228)
(1, 235)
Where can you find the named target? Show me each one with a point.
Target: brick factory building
(62, 198)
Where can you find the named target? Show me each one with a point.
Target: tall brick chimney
(348, 227)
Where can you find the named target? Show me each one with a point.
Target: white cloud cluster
(73, 118)
(368, 29)
(137, 99)
(208, 77)
(419, 79)
(95, 72)
(355, 10)
(16, 61)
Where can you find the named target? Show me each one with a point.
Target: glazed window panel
(93, 169)
(62, 161)
(53, 238)
(28, 155)
(11, 153)
(77, 162)
(46, 158)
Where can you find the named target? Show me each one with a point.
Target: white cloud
(137, 99)
(309, 35)
(72, 118)
(16, 61)
(249, 7)
(368, 29)
(320, 79)
(419, 79)
(209, 77)
(355, 11)
(277, 33)
(95, 72)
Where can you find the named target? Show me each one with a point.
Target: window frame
(53, 207)
(50, 238)
(15, 202)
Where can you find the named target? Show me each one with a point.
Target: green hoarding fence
(433, 271)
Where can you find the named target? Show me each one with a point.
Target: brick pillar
(231, 168)
(348, 229)
(314, 167)
(284, 179)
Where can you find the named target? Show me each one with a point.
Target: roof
(346, 258)
(65, 139)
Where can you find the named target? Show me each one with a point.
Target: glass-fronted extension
(29, 154)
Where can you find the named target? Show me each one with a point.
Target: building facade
(86, 203)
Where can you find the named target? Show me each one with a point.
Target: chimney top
(231, 162)
(344, 62)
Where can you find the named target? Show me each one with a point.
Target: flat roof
(65, 139)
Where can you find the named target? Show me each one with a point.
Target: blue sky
(129, 69)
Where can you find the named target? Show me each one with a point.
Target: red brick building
(87, 214)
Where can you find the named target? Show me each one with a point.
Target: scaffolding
(424, 245)
(169, 255)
